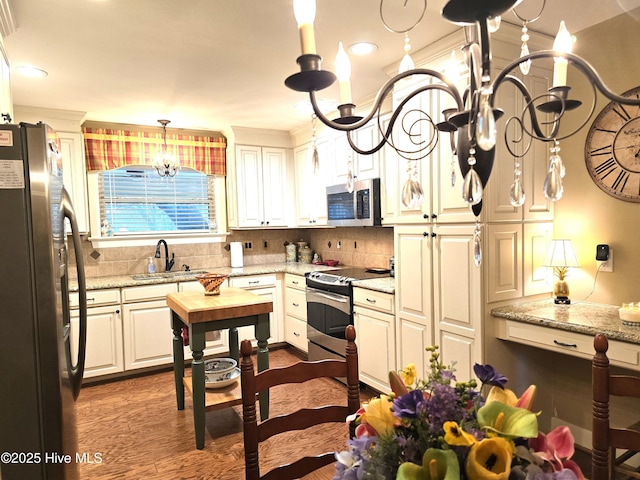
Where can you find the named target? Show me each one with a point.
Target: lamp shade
(561, 254)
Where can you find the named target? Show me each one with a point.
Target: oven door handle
(312, 292)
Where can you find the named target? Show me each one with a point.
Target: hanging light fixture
(166, 165)
(472, 124)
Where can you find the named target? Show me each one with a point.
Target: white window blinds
(135, 200)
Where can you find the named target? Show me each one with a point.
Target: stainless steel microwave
(359, 208)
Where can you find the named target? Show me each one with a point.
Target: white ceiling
(209, 64)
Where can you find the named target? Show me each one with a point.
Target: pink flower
(556, 448)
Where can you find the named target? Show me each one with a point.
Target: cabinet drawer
(577, 344)
(96, 297)
(148, 292)
(295, 332)
(373, 299)
(294, 281)
(253, 281)
(295, 303)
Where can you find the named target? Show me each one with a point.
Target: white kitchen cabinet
(270, 287)
(74, 175)
(104, 353)
(457, 297)
(146, 320)
(295, 311)
(438, 296)
(534, 164)
(261, 186)
(413, 295)
(374, 322)
(441, 202)
(362, 166)
(6, 98)
(310, 183)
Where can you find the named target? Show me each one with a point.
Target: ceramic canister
(290, 252)
(305, 255)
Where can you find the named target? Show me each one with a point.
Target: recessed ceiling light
(362, 48)
(29, 71)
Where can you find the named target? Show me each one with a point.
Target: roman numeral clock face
(612, 149)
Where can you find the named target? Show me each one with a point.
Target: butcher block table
(201, 313)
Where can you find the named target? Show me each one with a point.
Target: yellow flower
(489, 459)
(409, 374)
(436, 465)
(378, 414)
(509, 398)
(454, 435)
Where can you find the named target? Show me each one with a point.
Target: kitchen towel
(236, 255)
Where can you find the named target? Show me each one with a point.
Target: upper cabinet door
(274, 186)
(249, 186)
(74, 176)
(261, 185)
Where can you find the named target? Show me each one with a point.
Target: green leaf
(516, 422)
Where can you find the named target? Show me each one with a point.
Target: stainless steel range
(330, 309)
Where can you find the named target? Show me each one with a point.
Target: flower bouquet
(439, 428)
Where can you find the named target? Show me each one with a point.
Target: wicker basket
(211, 282)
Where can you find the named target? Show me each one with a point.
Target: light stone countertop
(98, 283)
(383, 284)
(586, 318)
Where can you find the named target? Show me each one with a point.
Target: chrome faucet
(168, 264)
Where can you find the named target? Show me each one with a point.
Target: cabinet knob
(267, 223)
(295, 304)
(371, 300)
(425, 234)
(433, 234)
(118, 311)
(434, 215)
(424, 215)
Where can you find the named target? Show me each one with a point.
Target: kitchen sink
(178, 273)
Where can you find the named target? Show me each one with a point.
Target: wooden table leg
(262, 335)
(197, 343)
(178, 358)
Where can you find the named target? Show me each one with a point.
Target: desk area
(233, 308)
(570, 329)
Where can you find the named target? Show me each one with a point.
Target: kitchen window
(135, 200)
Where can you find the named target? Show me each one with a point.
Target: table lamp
(561, 256)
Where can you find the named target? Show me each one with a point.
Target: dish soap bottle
(151, 268)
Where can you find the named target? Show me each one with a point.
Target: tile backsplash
(357, 246)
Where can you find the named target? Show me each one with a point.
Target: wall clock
(612, 149)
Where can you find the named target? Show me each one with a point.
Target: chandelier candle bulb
(343, 72)
(305, 13)
(562, 43)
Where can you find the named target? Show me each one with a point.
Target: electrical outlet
(248, 245)
(607, 265)
(339, 244)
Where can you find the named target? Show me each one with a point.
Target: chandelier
(165, 164)
(471, 125)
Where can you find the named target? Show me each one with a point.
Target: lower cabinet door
(375, 338)
(148, 338)
(104, 340)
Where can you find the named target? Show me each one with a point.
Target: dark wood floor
(135, 426)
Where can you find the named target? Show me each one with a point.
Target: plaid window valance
(108, 148)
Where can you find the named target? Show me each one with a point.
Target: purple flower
(488, 375)
(408, 405)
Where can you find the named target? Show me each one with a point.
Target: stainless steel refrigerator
(39, 381)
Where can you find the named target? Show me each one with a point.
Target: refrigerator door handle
(76, 372)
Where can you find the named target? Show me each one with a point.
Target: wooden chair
(302, 371)
(605, 439)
